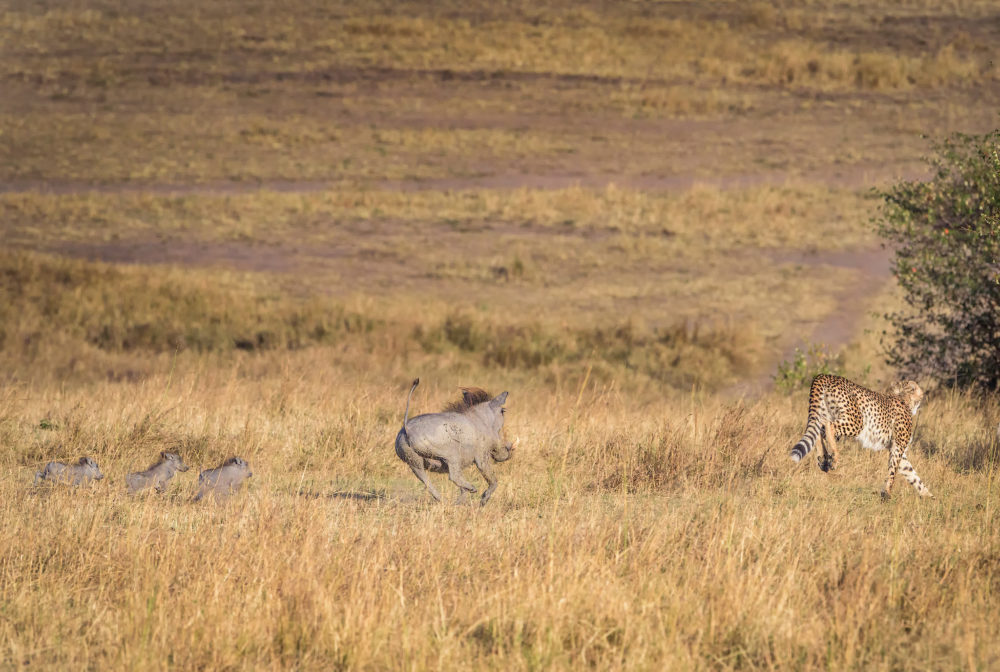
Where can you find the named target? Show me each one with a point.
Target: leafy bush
(946, 237)
(806, 365)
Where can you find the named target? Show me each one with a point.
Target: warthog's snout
(504, 452)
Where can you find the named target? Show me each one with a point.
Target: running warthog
(224, 479)
(82, 472)
(157, 475)
(467, 432)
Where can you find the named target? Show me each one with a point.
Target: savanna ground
(233, 229)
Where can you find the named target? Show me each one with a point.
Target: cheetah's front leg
(895, 455)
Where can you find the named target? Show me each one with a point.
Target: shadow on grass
(342, 494)
(977, 456)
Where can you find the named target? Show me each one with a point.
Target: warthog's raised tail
(406, 413)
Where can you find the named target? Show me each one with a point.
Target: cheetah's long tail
(808, 440)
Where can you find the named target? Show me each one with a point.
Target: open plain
(245, 228)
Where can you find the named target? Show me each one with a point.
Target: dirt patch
(854, 177)
(237, 256)
(841, 325)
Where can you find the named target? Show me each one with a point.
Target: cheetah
(840, 408)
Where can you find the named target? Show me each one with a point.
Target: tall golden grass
(639, 526)
(651, 518)
(632, 530)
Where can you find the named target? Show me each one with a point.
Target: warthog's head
(175, 459)
(238, 464)
(490, 413)
(91, 466)
(910, 392)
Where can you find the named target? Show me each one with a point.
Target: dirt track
(849, 178)
(837, 328)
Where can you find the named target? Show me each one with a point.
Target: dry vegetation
(668, 533)
(243, 230)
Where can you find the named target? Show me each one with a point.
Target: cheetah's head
(910, 393)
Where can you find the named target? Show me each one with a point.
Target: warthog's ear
(499, 400)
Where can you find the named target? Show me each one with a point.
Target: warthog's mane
(470, 397)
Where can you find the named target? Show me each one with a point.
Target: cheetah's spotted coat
(839, 408)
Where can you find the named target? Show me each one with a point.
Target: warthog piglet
(224, 479)
(81, 473)
(158, 475)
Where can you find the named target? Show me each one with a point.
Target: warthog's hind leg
(422, 475)
(486, 469)
(416, 464)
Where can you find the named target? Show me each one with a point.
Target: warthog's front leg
(486, 469)
(455, 474)
(435, 465)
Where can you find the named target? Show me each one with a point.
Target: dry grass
(697, 221)
(640, 526)
(308, 205)
(76, 320)
(108, 92)
(670, 532)
(568, 40)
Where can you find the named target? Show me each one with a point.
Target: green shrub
(946, 237)
(806, 365)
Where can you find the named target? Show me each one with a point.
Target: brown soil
(854, 177)
(842, 324)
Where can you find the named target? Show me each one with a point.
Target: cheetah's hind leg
(907, 471)
(828, 458)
